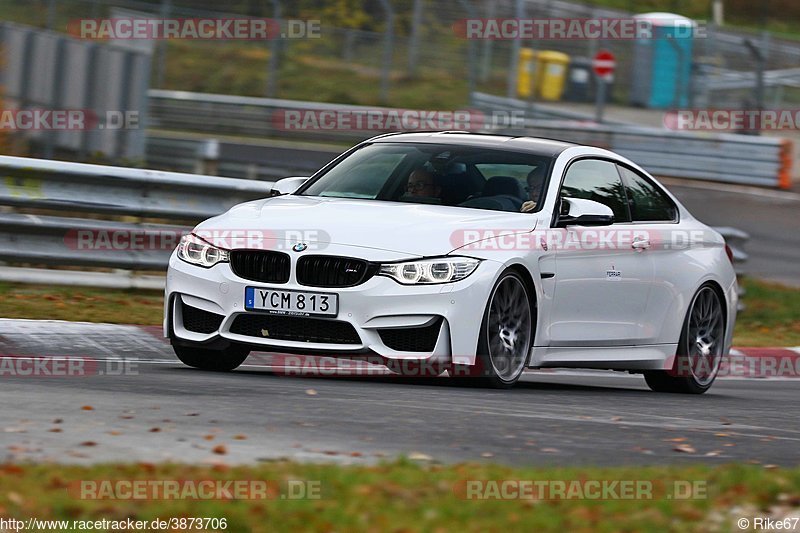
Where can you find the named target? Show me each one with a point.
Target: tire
(700, 348)
(506, 337)
(213, 360)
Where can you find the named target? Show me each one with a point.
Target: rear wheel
(700, 348)
(214, 360)
(506, 336)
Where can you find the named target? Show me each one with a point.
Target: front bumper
(372, 308)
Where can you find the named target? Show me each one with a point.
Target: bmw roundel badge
(300, 247)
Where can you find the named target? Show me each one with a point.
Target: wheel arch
(530, 285)
(721, 294)
(718, 290)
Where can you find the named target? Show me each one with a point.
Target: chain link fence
(408, 40)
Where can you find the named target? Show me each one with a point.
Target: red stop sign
(604, 63)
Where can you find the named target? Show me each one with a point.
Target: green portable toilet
(662, 62)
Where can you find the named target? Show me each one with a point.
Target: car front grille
(294, 328)
(418, 339)
(200, 321)
(260, 265)
(333, 271)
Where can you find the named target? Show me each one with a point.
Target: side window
(594, 179)
(648, 203)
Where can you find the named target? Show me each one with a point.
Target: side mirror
(580, 212)
(287, 185)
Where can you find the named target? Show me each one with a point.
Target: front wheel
(506, 336)
(214, 360)
(700, 348)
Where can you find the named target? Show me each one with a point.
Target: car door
(653, 209)
(602, 276)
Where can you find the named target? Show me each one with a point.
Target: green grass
(404, 496)
(772, 317)
(81, 304)
(241, 68)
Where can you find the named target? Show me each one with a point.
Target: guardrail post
(472, 56)
(208, 158)
(516, 45)
(274, 54)
(413, 42)
(51, 14)
(166, 8)
(758, 56)
(388, 49)
(58, 93)
(486, 58)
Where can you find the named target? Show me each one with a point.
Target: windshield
(462, 176)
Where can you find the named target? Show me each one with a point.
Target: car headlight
(430, 271)
(196, 251)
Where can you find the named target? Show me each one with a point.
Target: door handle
(641, 244)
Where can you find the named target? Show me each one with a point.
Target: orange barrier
(787, 160)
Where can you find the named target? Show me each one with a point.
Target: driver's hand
(528, 206)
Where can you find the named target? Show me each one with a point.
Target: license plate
(295, 303)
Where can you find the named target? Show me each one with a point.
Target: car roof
(532, 145)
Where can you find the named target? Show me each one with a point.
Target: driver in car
(535, 180)
(421, 182)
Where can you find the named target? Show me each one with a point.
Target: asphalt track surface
(152, 408)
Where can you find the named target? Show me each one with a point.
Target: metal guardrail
(72, 240)
(732, 79)
(45, 70)
(66, 241)
(763, 161)
(737, 239)
(65, 186)
(236, 159)
(78, 191)
(241, 115)
(530, 110)
(262, 117)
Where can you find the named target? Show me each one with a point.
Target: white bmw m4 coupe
(472, 254)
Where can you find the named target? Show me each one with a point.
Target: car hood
(406, 229)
